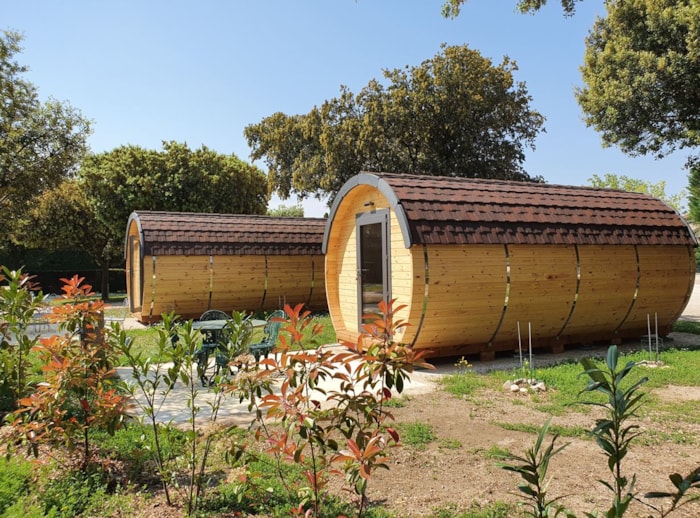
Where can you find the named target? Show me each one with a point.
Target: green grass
(467, 383)
(562, 431)
(686, 326)
(397, 402)
(15, 480)
(416, 434)
(566, 381)
(496, 452)
(655, 438)
(146, 340)
(449, 444)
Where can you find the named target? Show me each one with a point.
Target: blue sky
(199, 72)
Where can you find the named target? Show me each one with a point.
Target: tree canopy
(79, 227)
(40, 143)
(131, 178)
(287, 211)
(452, 8)
(641, 73)
(455, 114)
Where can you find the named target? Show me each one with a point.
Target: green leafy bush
(134, 444)
(15, 481)
(73, 494)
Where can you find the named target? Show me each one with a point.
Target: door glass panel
(371, 267)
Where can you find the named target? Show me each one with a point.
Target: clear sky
(199, 72)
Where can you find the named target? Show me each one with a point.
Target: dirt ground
(455, 469)
(420, 481)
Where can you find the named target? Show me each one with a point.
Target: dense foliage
(40, 143)
(132, 178)
(456, 114)
(640, 73)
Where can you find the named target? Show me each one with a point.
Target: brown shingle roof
(186, 233)
(476, 211)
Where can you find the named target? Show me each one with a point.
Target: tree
(90, 212)
(452, 8)
(694, 192)
(292, 211)
(130, 178)
(641, 72)
(454, 115)
(625, 183)
(40, 143)
(63, 218)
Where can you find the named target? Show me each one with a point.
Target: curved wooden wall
(341, 267)
(188, 285)
(469, 299)
(568, 295)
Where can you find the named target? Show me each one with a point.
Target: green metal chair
(212, 343)
(270, 335)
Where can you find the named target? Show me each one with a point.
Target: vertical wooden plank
(466, 292)
(543, 281)
(606, 290)
(663, 287)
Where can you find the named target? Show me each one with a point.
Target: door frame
(381, 216)
(135, 275)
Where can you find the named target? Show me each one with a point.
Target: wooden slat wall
(406, 287)
(341, 266)
(341, 278)
(238, 282)
(666, 276)
(542, 291)
(568, 294)
(606, 291)
(189, 285)
(181, 285)
(134, 287)
(466, 293)
(145, 289)
(289, 280)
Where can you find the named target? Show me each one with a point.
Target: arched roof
(447, 210)
(188, 233)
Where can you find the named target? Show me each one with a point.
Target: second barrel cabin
(473, 260)
(188, 262)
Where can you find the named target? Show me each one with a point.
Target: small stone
(540, 386)
(523, 390)
(507, 385)
(514, 388)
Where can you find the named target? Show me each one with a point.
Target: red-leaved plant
(329, 409)
(79, 390)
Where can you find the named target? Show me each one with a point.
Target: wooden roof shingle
(447, 210)
(187, 233)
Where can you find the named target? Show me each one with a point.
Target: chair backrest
(272, 328)
(222, 337)
(214, 314)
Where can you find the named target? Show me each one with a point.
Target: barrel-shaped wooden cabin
(473, 260)
(187, 263)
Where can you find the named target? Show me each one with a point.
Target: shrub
(80, 391)
(15, 481)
